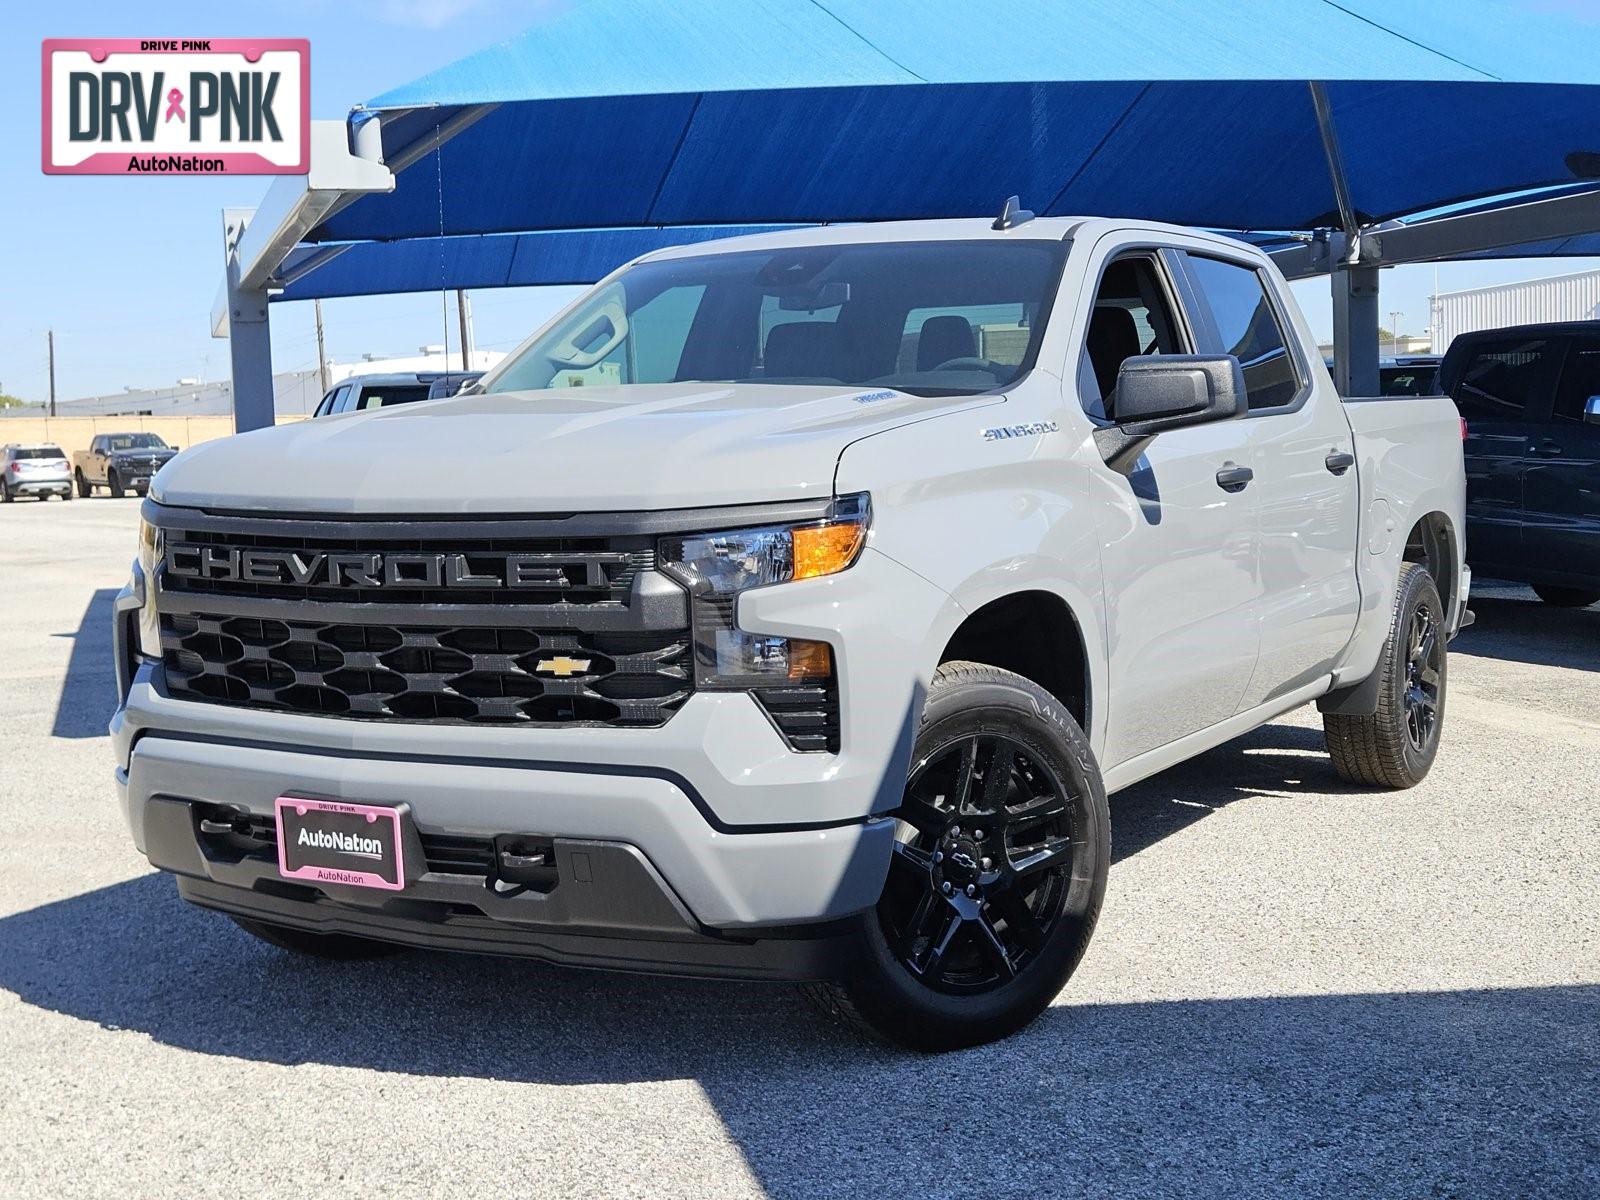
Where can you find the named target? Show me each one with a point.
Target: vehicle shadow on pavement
(1466, 1092)
(1272, 760)
(89, 688)
(1517, 627)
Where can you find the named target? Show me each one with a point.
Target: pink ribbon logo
(174, 106)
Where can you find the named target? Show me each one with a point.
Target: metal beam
(1316, 255)
(296, 204)
(1499, 227)
(250, 334)
(1336, 172)
(1355, 330)
(406, 155)
(1437, 238)
(255, 244)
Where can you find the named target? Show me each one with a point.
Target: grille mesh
(445, 674)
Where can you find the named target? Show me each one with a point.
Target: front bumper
(710, 817)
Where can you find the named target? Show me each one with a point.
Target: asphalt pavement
(1297, 988)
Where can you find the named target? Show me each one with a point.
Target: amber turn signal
(810, 660)
(827, 549)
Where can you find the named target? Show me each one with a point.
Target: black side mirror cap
(1156, 393)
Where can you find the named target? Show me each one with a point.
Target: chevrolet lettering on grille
(395, 569)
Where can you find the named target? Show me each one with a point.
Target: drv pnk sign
(168, 106)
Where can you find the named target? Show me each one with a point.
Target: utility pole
(322, 357)
(464, 309)
(1394, 332)
(50, 341)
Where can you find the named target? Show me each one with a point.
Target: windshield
(134, 441)
(930, 318)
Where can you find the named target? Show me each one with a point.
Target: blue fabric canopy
(621, 125)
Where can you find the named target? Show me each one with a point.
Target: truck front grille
(557, 620)
(472, 673)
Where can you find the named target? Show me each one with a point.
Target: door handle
(1545, 449)
(1339, 462)
(1234, 478)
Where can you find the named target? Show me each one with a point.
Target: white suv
(34, 470)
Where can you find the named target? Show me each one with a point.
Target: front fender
(983, 518)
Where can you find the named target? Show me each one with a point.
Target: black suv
(1530, 397)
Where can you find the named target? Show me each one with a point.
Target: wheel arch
(1036, 634)
(1432, 542)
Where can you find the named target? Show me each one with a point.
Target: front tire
(336, 947)
(998, 874)
(114, 483)
(1566, 597)
(1395, 746)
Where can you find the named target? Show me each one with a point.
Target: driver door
(1178, 547)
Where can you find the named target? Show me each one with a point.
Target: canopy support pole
(1355, 330)
(250, 335)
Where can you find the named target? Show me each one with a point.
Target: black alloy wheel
(979, 884)
(1394, 746)
(1424, 667)
(997, 872)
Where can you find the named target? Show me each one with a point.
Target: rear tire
(84, 489)
(114, 484)
(336, 947)
(1395, 746)
(1565, 597)
(5, 492)
(998, 874)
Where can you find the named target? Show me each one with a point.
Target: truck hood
(645, 446)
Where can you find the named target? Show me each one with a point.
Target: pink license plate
(332, 841)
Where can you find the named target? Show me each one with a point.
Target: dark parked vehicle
(452, 383)
(1409, 375)
(361, 392)
(120, 462)
(1530, 397)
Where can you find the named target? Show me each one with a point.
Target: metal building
(1531, 302)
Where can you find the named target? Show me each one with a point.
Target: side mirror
(174, 449)
(1591, 411)
(1157, 393)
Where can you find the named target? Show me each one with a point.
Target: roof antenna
(1012, 214)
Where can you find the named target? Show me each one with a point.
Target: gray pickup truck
(120, 462)
(786, 609)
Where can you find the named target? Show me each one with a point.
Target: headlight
(718, 566)
(150, 550)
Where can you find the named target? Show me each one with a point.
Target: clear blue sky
(125, 270)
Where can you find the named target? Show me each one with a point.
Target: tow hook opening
(523, 863)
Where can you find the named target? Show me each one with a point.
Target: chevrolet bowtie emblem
(563, 665)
